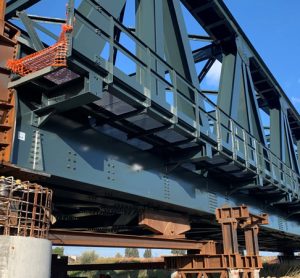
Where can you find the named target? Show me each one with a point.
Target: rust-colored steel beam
(209, 258)
(229, 263)
(168, 224)
(60, 237)
(2, 15)
(212, 262)
(8, 42)
(232, 218)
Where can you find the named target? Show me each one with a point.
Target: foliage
(178, 252)
(148, 253)
(118, 255)
(88, 257)
(58, 251)
(285, 269)
(132, 253)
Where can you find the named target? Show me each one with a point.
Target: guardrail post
(218, 128)
(233, 139)
(175, 97)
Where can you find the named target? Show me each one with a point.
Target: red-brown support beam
(167, 224)
(59, 237)
(2, 15)
(251, 241)
(8, 35)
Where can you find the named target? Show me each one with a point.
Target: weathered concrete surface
(22, 257)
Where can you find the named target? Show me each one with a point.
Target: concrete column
(233, 273)
(256, 273)
(175, 275)
(24, 257)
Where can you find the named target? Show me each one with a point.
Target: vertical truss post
(109, 78)
(175, 94)
(298, 151)
(149, 20)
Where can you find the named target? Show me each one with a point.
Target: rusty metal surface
(206, 257)
(8, 35)
(232, 218)
(25, 208)
(229, 259)
(212, 262)
(63, 237)
(165, 224)
(2, 14)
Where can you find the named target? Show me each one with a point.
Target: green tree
(58, 251)
(118, 255)
(178, 252)
(132, 253)
(88, 257)
(148, 253)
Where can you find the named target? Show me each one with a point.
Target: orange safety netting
(55, 56)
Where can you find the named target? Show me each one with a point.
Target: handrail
(261, 152)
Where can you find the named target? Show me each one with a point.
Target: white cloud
(213, 76)
(296, 100)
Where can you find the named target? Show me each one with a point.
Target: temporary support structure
(208, 257)
(228, 262)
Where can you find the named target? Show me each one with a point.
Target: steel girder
(172, 146)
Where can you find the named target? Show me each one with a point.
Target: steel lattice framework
(126, 128)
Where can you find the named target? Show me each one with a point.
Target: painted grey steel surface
(132, 123)
(23, 257)
(13, 6)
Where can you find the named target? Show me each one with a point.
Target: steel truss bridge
(126, 133)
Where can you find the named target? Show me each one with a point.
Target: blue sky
(273, 28)
(271, 25)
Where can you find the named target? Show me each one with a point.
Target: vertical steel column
(178, 54)
(251, 240)
(228, 219)
(281, 142)
(298, 151)
(8, 36)
(149, 20)
(2, 15)
(237, 95)
(229, 235)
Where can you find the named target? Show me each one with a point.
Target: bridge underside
(127, 128)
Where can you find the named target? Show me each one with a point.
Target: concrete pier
(24, 257)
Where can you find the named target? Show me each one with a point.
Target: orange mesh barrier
(55, 56)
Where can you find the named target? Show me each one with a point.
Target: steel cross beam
(17, 5)
(69, 238)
